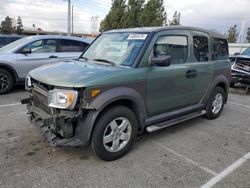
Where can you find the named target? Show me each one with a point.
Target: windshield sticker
(137, 36)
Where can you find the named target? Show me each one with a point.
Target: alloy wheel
(117, 134)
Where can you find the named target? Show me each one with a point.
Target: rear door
(202, 64)
(70, 49)
(43, 51)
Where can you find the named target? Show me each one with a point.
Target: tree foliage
(232, 34)
(176, 19)
(154, 14)
(136, 13)
(6, 26)
(116, 17)
(19, 28)
(248, 35)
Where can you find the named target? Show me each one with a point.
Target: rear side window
(174, 46)
(200, 48)
(3, 40)
(220, 49)
(72, 46)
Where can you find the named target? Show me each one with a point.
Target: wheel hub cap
(4, 82)
(217, 103)
(117, 134)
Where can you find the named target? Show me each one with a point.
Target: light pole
(69, 17)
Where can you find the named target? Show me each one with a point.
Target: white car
(23, 55)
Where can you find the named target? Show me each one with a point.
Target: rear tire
(6, 81)
(215, 103)
(111, 140)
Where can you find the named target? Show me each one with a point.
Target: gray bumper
(58, 129)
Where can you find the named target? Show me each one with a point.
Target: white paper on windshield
(137, 36)
(116, 49)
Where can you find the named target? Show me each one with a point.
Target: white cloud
(52, 14)
(219, 14)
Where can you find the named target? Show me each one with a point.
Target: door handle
(52, 56)
(191, 74)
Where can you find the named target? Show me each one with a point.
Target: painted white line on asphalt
(227, 171)
(7, 105)
(185, 158)
(241, 105)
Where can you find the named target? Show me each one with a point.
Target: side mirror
(161, 61)
(26, 51)
(237, 53)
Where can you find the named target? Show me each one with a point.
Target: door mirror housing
(161, 61)
(26, 51)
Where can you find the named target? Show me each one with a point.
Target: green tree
(176, 19)
(232, 34)
(6, 26)
(134, 10)
(154, 14)
(19, 28)
(116, 17)
(248, 35)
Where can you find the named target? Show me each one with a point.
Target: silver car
(23, 55)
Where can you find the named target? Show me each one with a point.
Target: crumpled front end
(241, 70)
(57, 125)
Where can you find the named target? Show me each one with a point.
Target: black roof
(162, 28)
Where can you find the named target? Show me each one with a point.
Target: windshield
(119, 48)
(14, 44)
(246, 52)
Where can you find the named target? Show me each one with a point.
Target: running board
(161, 125)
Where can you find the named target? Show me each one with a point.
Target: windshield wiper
(105, 61)
(82, 57)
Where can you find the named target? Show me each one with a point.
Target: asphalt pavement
(196, 153)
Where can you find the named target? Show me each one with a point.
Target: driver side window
(174, 46)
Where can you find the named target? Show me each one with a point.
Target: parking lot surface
(196, 153)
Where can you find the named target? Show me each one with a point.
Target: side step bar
(161, 125)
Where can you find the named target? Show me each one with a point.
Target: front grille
(40, 98)
(243, 65)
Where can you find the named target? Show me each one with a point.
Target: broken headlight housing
(63, 99)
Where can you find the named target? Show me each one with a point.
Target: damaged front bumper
(240, 77)
(59, 128)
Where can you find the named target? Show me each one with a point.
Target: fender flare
(216, 81)
(13, 71)
(86, 124)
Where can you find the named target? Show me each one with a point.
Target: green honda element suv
(127, 82)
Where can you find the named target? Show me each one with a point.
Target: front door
(169, 87)
(42, 52)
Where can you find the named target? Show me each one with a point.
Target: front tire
(215, 103)
(6, 81)
(114, 133)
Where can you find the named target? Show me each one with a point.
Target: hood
(76, 73)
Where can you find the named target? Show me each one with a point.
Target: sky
(51, 15)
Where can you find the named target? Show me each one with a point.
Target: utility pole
(69, 17)
(72, 23)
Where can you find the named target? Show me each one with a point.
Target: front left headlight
(63, 99)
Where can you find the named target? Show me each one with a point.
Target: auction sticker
(137, 36)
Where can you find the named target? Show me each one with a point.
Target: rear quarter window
(220, 51)
(72, 46)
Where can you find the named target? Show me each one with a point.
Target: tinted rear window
(220, 49)
(72, 46)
